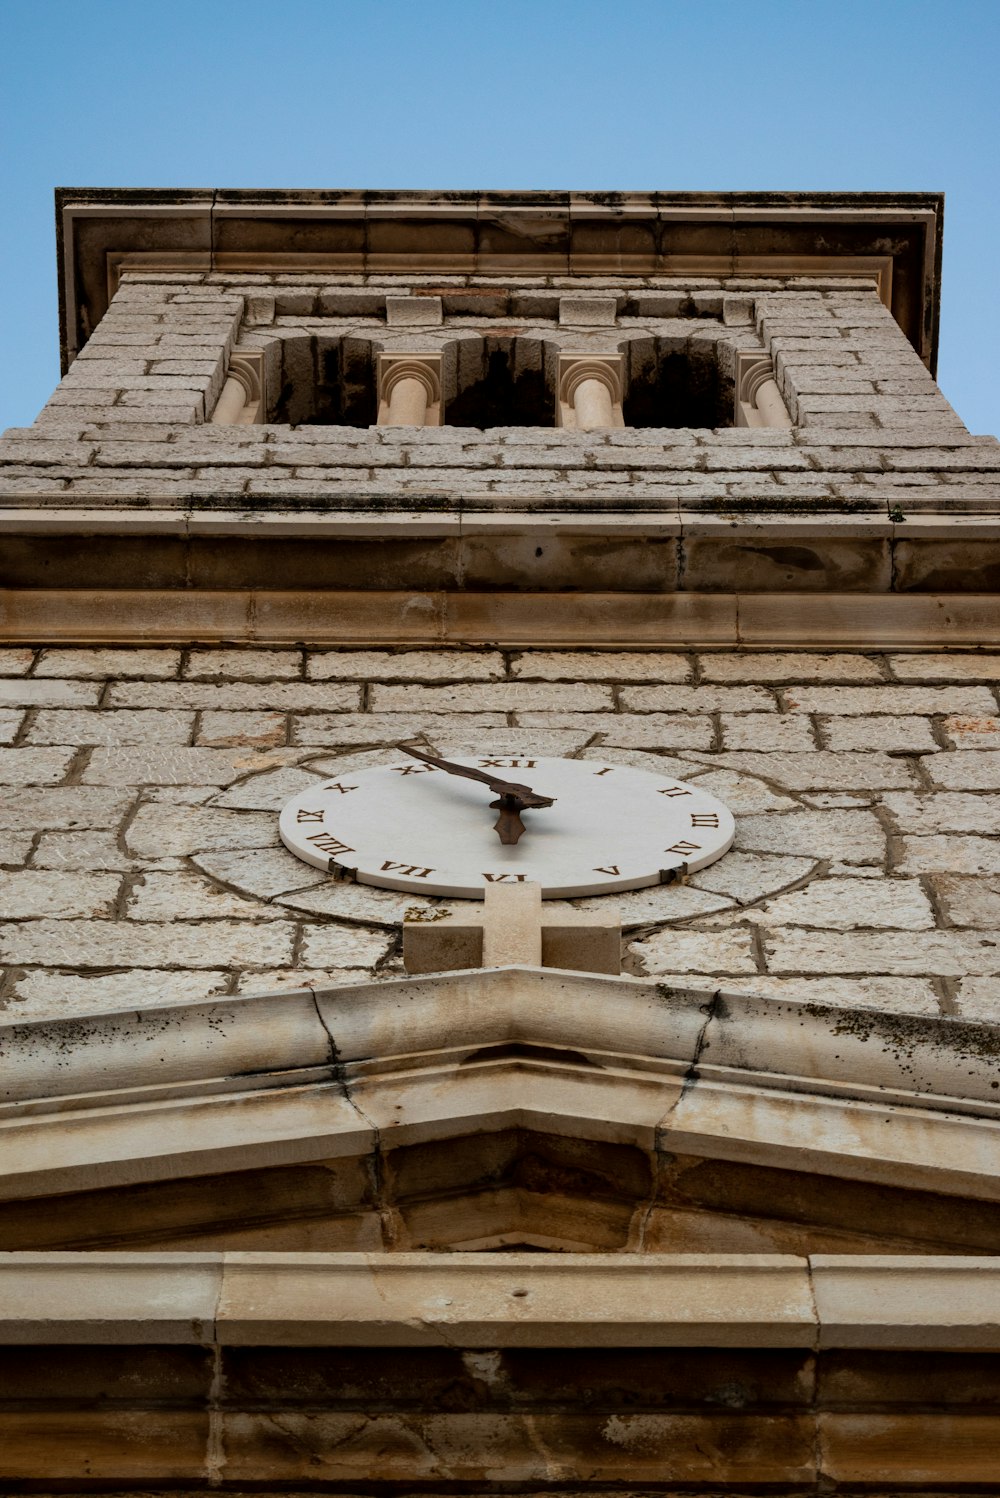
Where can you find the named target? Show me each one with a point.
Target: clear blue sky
(858, 94)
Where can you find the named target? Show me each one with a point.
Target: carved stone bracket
(409, 390)
(242, 400)
(590, 391)
(758, 399)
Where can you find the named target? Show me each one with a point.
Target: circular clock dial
(412, 826)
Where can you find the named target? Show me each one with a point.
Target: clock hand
(513, 797)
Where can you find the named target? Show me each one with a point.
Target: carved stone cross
(512, 930)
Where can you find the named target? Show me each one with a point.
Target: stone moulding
(625, 620)
(242, 400)
(151, 1094)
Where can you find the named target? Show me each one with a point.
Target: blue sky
(879, 95)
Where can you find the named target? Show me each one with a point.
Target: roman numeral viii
(327, 843)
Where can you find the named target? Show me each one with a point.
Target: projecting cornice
(894, 238)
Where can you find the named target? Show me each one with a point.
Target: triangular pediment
(499, 1109)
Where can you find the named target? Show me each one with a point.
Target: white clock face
(412, 826)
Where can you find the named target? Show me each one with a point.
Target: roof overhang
(894, 238)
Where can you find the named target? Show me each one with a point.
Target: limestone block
(267, 792)
(787, 666)
(947, 853)
(923, 812)
(110, 727)
(20, 693)
(632, 730)
(10, 722)
(904, 733)
(702, 699)
(15, 661)
(845, 904)
(334, 730)
(967, 770)
(249, 730)
(167, 766)
(766, 731)
(413, 311)
(265, 871)
(67, 807)
(971, 733)
(14, 848)
(692, 951)
(404, 665)
(180, 944)
(588, 311)
(948, 953)
(950, 667)
(865, 1301)
(34, 766)
(275, 696)
(158, 663)
(82, 850)
(32, 894)
(474, 697)
(890, 699)
(184, 896)
(859, 991)
(823, 770)
(601, 665)
(747, 877)
(347, 946)
(851, 836)
(163, 831)
(969, 901)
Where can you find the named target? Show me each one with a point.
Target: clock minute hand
(513, 797)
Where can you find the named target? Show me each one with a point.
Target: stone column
(241, 402)
(758, 399)
(590, 392)
(409, 390)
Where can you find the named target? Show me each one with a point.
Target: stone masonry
(141, 858)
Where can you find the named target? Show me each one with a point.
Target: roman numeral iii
(704, 819)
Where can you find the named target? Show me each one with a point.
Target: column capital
(574, 370)
(424, 368)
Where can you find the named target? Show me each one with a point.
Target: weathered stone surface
(499, 697)
(272, 696)
(14, 848)
(823, 770)
(709, 952)
(242, 730)
(404, 665)
(18, 692)
(948, 953)
(90, 944)
(153, 766)
(703, 699)
(743, 794)
(10, 722)
(766, 731)
(353, 902)
(979, 998)
(925, 812)
(184, 896)
(890, 699)
(15, 661)
(904, 733)
(159, 830)
(893, 995)
(160, 663)
(632, 730)
(124, 726)
(850, 904)
(852, 836)
(969, 901)
(343, 946)
(32, 894)
(949, 853)
(53, 993)
(66, 807)
(269, 791)
(750, 876)
(971, 733)
(950, 667)
(974, 770)
(34, 766)
(244, 665)
(614, 666)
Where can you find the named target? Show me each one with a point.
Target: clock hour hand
(513, 797)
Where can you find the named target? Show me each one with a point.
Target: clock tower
(499, 817)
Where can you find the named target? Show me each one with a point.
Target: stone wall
(142, 863)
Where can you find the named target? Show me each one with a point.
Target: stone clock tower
(481, 1115)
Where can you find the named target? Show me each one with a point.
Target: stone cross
(511, 929)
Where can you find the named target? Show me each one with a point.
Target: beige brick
(34, 893)
(404, 665)
(601, 665)
(34, 766)
(947, 953)
(505, 696)
(52, 994)
(706, 699)
(209, 944)
(110, 726)
(782, 665)
(108, 662)
(905, 733)
(766, 731)
(891, 699)
(244, 665)
(272, 696)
